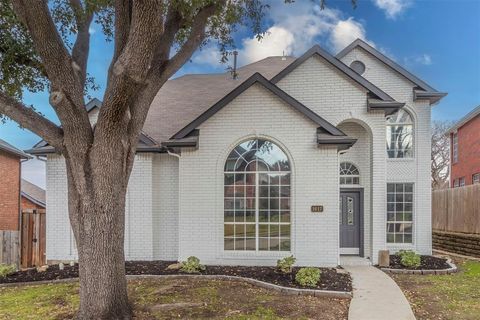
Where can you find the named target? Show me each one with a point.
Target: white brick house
(317, 157)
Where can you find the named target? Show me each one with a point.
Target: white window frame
(461, 182)
(394, 212)
(257, 221)
(352, 177)
(411, 124)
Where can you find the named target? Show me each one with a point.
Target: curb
(453, 269)
(265, 285)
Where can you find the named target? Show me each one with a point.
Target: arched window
(257, 198)
(349, 173)
(400, 135)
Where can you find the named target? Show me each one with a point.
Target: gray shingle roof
(183, 99)
(33, 193)
(7, 147)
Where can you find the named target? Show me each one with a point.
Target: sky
(437, 40)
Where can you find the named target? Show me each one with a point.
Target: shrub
(6, 269)
(192, 265)
(285, 265)
(409, 258)
(308, 277)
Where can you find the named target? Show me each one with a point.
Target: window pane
(285, 245)
(274, 244)
(228, 216)
(285, 231)
(263, 230)
(228, 243)
(263, 244)
(284, 216)
(399, 132)
(274, 216)
(229, 230)
(250, 243)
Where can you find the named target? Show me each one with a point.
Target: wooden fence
(457, 209)
(33, 238)
(9, 247)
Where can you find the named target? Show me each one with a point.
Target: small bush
(308, 277)
(6, 269)
(285, 265)
(192, 265)
(409, 258)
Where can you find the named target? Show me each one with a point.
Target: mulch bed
(330, 279)
(427, 263)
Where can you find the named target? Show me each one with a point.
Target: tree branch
(47, 41)
(123, 17)
(31, 120)
(81, 47)
(196, 37)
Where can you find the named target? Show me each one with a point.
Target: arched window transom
(349, 173)
(400, 135)
(257, 198)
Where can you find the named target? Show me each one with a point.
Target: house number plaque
(316, 208)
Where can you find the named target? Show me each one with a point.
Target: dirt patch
(427, 263)
(221, 299)
(330, 279)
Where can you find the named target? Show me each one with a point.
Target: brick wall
(468, 151)
(27, 204)
(9, 191)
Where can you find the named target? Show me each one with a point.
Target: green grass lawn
(439, 297)
(175, 299)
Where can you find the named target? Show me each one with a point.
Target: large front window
(257, 198)
(400, 135)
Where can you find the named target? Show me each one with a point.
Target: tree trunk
(97, 216)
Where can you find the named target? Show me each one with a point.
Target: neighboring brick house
(316, 157)
(33, 197)
(465, 150)
(10, 175)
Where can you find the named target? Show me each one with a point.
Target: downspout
(173, 154)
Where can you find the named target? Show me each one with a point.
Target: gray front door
(350, 223)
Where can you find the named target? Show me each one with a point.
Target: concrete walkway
(376, 296)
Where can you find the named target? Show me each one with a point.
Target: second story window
(455, 147)
(400, 135)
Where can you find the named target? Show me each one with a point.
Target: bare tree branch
(31, 120)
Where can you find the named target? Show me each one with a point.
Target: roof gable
(258, 78)
(339, 65)
(430, 93)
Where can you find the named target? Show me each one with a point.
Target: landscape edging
(262, 284)
(453, 268)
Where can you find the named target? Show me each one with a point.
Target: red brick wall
(27, 204)
(9, 191)
(468, 151)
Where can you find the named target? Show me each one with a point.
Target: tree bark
(97, 216)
